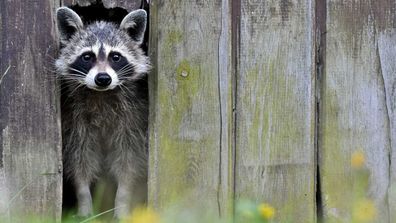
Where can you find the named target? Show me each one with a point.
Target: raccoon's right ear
(68, 23)
(135, 25)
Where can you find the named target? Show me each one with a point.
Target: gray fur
(104, 132)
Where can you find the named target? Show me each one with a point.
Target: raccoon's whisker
(126, 66)
(77, 87)
(65, 80)
(76, 76)
(125, 92)
(72, 79)
(124, 77)
(128, 91)
(71, 93)
(136, 77)
(131, 78)
(124, 73)
(64, 87)
(70, 86)
(69, 80)
(78, 71)
(73, 75)
(128, 74)
(126, 70)
(49, 56)
(51, 69)
(123, 88)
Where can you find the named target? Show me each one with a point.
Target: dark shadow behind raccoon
(105, 106)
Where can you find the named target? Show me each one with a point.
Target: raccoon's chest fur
(99, 110)
(106, 118)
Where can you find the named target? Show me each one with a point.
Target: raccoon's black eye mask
(88, 57)
(83, 63)
(115, 57)
(118, 62)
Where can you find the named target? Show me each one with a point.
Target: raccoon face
(102, 55)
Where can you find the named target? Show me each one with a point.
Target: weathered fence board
(275, 157)
(353, 113)
(233, 96)
(30, 144)
(387, 53)
(190, 104)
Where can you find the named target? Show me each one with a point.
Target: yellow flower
(266, 211)
(364, 211)
(142, 215)
(357, 159)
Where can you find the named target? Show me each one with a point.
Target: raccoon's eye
(87, 57)
(115, 57)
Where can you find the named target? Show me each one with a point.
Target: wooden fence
(249, 99)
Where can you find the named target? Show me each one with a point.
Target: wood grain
(275, 120)
(354, 115)
(191, 106)
(387, 54)
(30, 143)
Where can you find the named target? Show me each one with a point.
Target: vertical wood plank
(275, 123)
(354, 114)
(190, 152)
(30, 142)
(387, 53)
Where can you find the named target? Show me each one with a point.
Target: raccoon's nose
(102, 79)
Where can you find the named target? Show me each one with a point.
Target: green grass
(362, 208)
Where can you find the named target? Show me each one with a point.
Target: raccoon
(105, 105)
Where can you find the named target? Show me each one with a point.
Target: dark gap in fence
(235, 43)
(97, 12)
(320, 47)
(319, 201)
(145, 5)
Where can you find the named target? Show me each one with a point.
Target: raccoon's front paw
(85, 210)
(121, 212)
(84, 200)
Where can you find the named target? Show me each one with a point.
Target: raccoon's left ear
(68, 23)
(135, 24)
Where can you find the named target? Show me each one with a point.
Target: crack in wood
(4, 74)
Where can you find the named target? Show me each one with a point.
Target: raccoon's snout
(103, 79)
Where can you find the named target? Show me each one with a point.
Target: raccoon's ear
(68, 23)
(135, 24)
